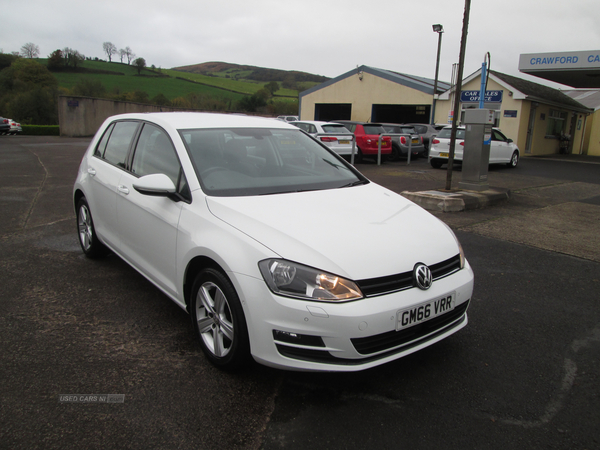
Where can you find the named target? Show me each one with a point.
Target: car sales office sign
(473, 96)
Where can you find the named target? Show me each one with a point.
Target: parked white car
(502, 149)
(277, 247)
(15, 127)
(331, 134)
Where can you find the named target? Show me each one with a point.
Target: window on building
(555, 123)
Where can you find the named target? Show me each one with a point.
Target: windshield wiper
(355, 183)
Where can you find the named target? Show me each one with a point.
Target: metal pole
(379, 151)
(437, 70)
(458, 87)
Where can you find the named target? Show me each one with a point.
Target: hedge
(41, 130)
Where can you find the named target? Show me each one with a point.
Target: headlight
(460, 249)
(296, 280)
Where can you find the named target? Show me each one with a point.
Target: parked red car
(367, 139)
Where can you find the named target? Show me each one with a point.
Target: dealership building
(538, 118)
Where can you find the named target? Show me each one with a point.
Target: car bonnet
(358, 232)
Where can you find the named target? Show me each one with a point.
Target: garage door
(401, 113)
(333, 111)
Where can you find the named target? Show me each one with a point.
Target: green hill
(222, 81)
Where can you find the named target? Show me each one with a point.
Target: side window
(154, 153)
(118, 143)
(303, 126)
(312, 128)
(102, 144)
(497, 136)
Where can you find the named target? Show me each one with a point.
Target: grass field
(171, 84)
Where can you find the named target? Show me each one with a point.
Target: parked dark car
(4, 126)
(367, 139)
(400, 144)
(427, 132)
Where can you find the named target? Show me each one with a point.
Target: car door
(501, 150)
(148, 224)
(105, 170)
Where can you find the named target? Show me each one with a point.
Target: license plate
(444, 155)
(415, 141)
(344, 142)
(406, 318)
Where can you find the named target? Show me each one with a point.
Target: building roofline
(414, 82)
(521, 89)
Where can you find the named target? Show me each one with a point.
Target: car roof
(315, 122)
(377, 124)
(191, 120)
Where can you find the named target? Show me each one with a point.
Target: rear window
(373, 129)
(446, 132)
(332, 128)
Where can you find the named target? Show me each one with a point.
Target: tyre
(395, 155)
(514, 160)
(218, 319)
(88, 240)
(436, 163)
(358, 156)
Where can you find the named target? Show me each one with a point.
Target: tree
(129, 54)
(161, 100)
(89, 88)
(140, 63)
(30, 50)
(122, 54)
(56, 60)
(7, 59)
(272, 87)
(72, 57)
(110, 49)
(29, 91)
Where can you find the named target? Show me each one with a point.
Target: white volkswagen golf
(278, 249)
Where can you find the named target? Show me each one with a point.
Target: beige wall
(372, 90)
(592, 141)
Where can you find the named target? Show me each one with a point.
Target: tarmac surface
(524, 373)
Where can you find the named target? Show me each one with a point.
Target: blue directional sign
(473, 96)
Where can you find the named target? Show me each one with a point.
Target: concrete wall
(82, 116)
(363, 94)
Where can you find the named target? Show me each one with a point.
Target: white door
(148, 224)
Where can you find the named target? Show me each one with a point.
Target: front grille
(391, 339)
(392, 283)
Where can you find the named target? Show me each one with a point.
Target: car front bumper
(317, 336)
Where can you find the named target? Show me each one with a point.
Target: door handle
(123, 190)
(91, 171)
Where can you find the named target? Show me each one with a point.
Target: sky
(323, 37)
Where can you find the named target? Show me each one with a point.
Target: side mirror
(509, 141)
(157, 184)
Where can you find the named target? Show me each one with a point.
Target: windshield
(445, 133)
(257, 161)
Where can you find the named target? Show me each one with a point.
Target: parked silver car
(427, 132)
(400, 144)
